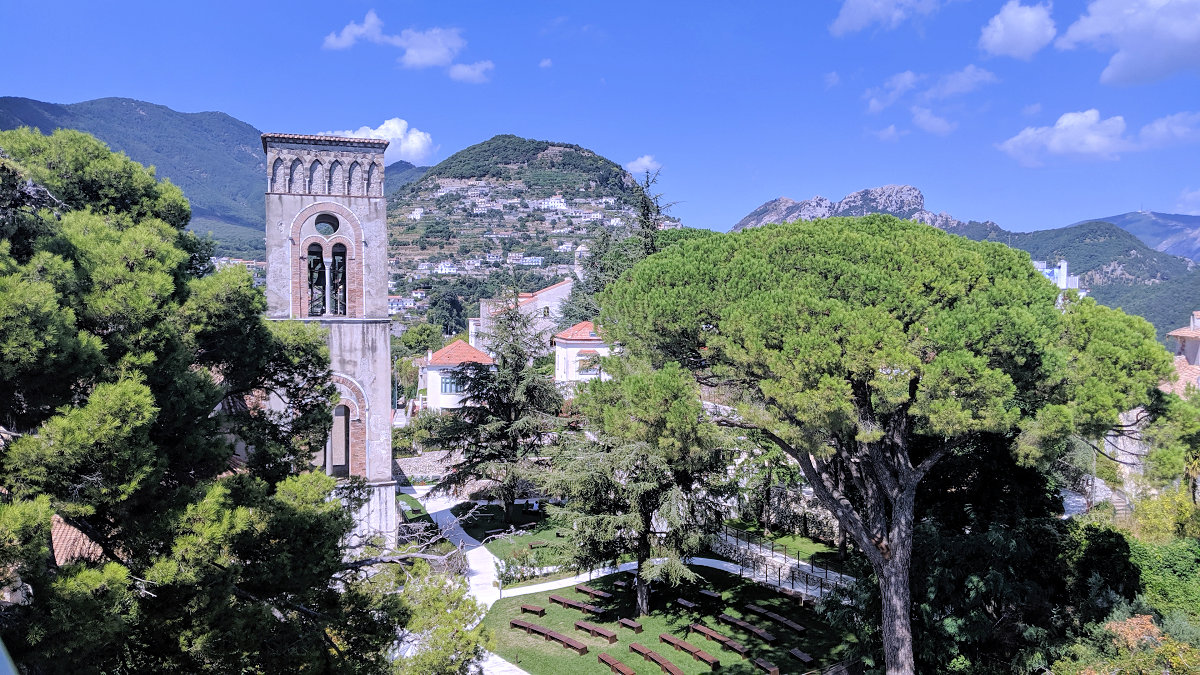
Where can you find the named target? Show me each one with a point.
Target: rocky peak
(902, 201)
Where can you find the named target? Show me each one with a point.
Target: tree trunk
(642, 590)
(643, 555)
(508, 493)
(764, 516)
(897, 622)
(841, 543)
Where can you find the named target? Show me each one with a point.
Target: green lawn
(540, 657)
(819, 554)
(537, 527)
(418, 514)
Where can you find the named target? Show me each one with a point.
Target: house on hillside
(577, 352)
(443, 389)
(541, 305)
(1187, 357)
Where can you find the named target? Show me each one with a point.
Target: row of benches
(575, 604)
(565, 640)
(764, 635)
(685, 646)
(777, 618)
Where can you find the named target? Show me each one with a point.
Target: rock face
(902, 201)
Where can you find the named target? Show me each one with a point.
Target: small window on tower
(337, 281)
(326, 224)
(316, 281)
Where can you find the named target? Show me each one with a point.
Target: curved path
(481, 573)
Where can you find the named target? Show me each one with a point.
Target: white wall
(566, 359)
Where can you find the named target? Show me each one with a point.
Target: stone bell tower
(327, 263)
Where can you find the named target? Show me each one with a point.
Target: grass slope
(540, 657)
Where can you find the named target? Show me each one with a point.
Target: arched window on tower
(337, 281)
(316, 281)
(339, 442)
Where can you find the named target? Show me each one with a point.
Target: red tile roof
(71, 544)
(1185, 333)
(1187, 375)
(458, 352)
(584, 330)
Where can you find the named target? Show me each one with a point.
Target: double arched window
(327, 273)
(316, 280)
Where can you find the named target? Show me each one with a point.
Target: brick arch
(345, 216)
(357, 403)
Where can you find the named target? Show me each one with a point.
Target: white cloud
(893, 88)
(1151, 38)
(888, 134)
(433, 47)
(832, 79)
(475, 73)
(1084, 134)
(1031, 109)
(407, 143)
(643, 164)
(856, 15)
(1189, 202)
(925, 119)
(1018, 31)
(960, 82)
(371, 29)
(545, 63)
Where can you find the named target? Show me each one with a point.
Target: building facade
(326, 221)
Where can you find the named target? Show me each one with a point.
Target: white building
(437, 378)
(495, 257)
(577, 351)
(446, 267)
(416, 214)
(1057, 274)
(541, 305)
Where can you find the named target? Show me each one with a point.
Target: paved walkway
(481, 575)
(788, 562)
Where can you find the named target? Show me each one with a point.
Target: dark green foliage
(446, 311)
(544, 167)
(127, 370)
(216, 159)
(508, 411)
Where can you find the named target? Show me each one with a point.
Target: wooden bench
(800, 656)
(777, 618)
(568, 642)
(707, 632)
(498, 530)
(518, 623)
(538, 543)
(533, 609)
(712, 595)
(631, 625)
(736, 647)
(681, 645)
(596, 631)
(614, 666)
(766, 666)
(707, 659)
(575, 604)
(686, 604)
(620, 584)
(765, 636)
(592, 592)
(655, 658)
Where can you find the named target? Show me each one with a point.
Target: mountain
(400, 173)
(216, 159)
(510, 195)
(1172, 233)
(1118, 268)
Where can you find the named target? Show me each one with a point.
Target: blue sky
(1033, 115)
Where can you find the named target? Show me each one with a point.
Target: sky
(1033, 115)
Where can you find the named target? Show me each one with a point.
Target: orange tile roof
(584, 330)
(1187, 373)
(71, 544)
(1185, 333)
(459, 352)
